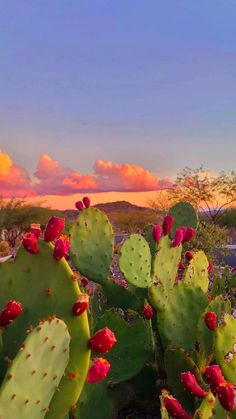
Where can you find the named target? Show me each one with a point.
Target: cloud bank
(51, 178)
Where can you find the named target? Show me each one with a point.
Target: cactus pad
(135, 261)
(225, 347)
(147, 234)
(184, 215)
(92, 244)
(197, 271)
(205, 410)
(36, 372)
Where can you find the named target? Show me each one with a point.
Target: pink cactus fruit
(210, 267)
(10, 312)
(189, 234)
(79, 205)
(61, 248)
(80, 305)
(98, 370)
(181, 265)
(174, 408)
(54, 228)
(190, 384)
(86, 201)
(167, 224)
(84, 281)
(210, 319)
(29, 242)
(215, 377)
(147, 312)
(103, 340)
(226, 395)
(189, 256)
(179, 234)
(36, 230)
(156, 233)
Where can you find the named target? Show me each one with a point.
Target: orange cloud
(14, 180)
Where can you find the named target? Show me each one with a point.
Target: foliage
(134, 221)
(228, 218)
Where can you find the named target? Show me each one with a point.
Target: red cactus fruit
(102, 341)
(61, 248)
(147, 312)
(29, 241)
(226, 395)
(179, 234)
(98, 370)
(210, 267)
(156, 233)
(215, 377)
(189, 234)
(189, 256)
(210, 319)
(174, 408)
(123, 283)
(181, 265)
(167, 224)
(36, 230)
(10, 312)
(79, 205)
(80, 305)
(190, 384)
(86, 201)
(84, 282)
(54, 228)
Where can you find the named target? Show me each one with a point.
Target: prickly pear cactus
(225, 347)
(197, 271)
(46, 287)
(206, 408)
(184, 215)
(92, 244)
(35, 372)
(147, 234)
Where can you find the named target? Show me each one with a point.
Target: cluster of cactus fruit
(157, 326)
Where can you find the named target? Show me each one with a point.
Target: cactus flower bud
(84, 282)
(36, 230)
(29, 241)
(181, 266)
(215, 377)
(167, 224)
(174, 408)
(147, 312)
(210, 267)
(190, 233)
(86, 201)
(179, 234)
(79, 205)
(54, 228)
(102, 341)
(226, 395)
(10, 312)
(156, 233)
(80, 305)
(210, 319)
(189, 256)
(190, 384)
(98, 370)
(61, 248)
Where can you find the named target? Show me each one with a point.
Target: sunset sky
(113, 98)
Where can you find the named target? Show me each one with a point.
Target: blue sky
(146, 82)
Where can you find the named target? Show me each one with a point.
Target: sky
(114, 98)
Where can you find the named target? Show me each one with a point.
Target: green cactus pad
(204, 336)
(36, 372)
(220, 413)
(177, 361)
(135, 261)
(92, 244)
(205, 410)
(125, 298)
(158, 296)
(197, 271)
(147, 234)
(94, 402)
(165, 263)
(225, 347)
(134, 347)
(178, 322)
(45, 288)
(184, 215)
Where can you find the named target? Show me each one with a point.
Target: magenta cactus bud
(123, 283)
(86, 201)
(156, 233)
(181, 266)
(36, 230)
(226, 395)
(29, 242)
(98, 370)
(178, 237)
(10, 312)
(215, 377)
(61, 248)
(210, 267)
(80, 305)
(79, 205)
(189, 234)
(190, 384)
(54, 228)
(167, 224)
(103, 340)
(84, 282)
(175, 409)
(210, 319)
(189, 256)
(147, 312)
